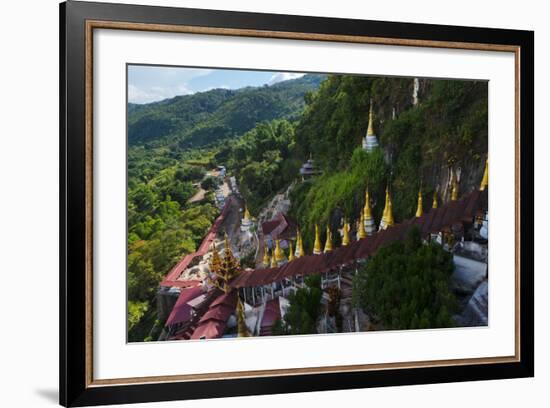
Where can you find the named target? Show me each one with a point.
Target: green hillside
(205, 118)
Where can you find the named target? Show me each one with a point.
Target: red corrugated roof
(212, 329)
(212, 323)
(182, 311)
(272, 313)
(280, 227)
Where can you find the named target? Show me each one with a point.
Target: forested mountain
(208, 117)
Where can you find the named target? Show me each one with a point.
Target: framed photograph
(256, 204)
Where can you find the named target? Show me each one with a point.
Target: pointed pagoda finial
(279, 254)
(242, 328)
(387, 215)
(246, 213)
(485, 180)
(299, 245)
(368, 220)
(434, 201)
(367, 212)
(454, 190)
(317, 245)
(390, 214)
(345, 235)
(328, 243)
(227, 245)
(266, 259)
(290, 251)
(370, 129)
(361, 233)
(273, 261)
(419, 209)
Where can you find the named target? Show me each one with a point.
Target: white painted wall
(29, 200)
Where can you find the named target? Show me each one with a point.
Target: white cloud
(154, 93)
(283, 76)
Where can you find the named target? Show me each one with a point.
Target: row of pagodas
(365, 226)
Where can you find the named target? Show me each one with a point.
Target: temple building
(282, 228)
(387, 216)
(246, 222)
(308, 170)
(370, 141)
(368, 220)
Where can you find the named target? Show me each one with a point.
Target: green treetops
(406, 285)
(303, 312)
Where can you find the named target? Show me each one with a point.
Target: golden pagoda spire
(370, 129)
(299, 245)
(246, 213)
(290, 251)
(387, 215)
(485, 180)
(242, 328)
(229, 267)
(345, 237)
(328, 243)
(367, 213)
(273, 261)
(390, 214)
(419, 210)
(434, 201)
(266, 259)
(215, 261)
(317, 245)
(454, 190)
(279, 254)
(361, 233)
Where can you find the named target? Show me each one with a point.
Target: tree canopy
(304, 309)
(406, 285)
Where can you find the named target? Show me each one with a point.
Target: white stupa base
(370, 143)
(370, 228)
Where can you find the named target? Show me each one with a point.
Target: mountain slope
(205, 118)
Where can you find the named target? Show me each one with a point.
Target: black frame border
(72, 123)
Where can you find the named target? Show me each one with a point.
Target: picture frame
(79, 20)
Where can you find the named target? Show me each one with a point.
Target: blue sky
(153, 83)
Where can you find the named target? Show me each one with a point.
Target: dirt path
(199, 196)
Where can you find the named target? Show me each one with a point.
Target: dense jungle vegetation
(263, 135)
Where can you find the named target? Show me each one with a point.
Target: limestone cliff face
(471, 173)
